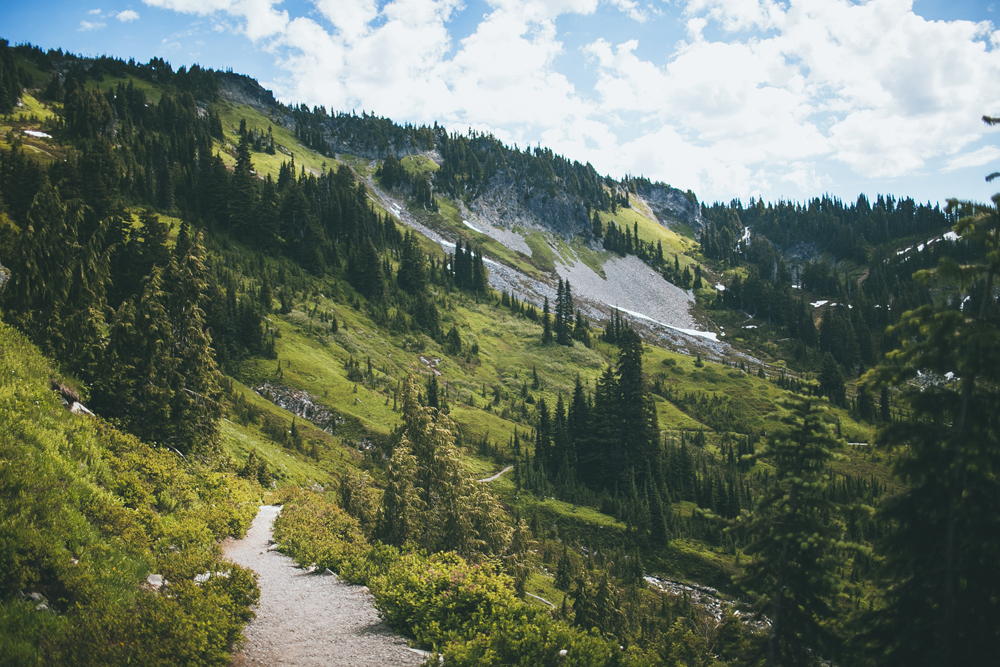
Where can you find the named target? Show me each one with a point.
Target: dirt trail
(497, 476)
(310, 620)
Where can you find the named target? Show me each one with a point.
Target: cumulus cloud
(88, 25)
(127, 15)
(790, 92)
(260, 18)
(872, 85)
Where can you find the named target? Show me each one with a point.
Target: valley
(543, 416)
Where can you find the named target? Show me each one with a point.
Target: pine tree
(563, 571)
(640, 432)
(831, 381)
(940, 560)
(195, 408)
(796, 535)
(455, 512)
(244, 188)
(546, 324)
(56, 293)
(412, 274)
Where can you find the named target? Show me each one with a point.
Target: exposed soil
(310, 620)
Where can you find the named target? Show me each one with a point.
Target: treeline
(845, 231)
(853, 328)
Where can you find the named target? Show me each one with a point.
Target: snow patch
(690, 332)
(950, 236)
(720, 287)
(472, 227)
(37, 134)
(817, 304)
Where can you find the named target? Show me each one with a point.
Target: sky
(729, 98)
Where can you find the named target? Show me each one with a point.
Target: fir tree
(796, 535)
(546, 324)
(943, 594)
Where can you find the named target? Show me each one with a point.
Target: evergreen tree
(412, 274)
(831, 381)
(796, 536)
(455, 512)
(195, 409)
(640, 431)
(943, 592)
(546, 324)
(56, 293)
(244, 188)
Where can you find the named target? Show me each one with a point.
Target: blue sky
(731, 98)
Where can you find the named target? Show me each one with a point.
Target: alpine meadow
(532, 414)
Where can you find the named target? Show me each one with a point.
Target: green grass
(419, 164)
(152, 91)
(651, 232)
(542, 255)
(265, 164)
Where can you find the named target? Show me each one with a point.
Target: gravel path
(309, 620)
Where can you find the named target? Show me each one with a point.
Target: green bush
(467, 611)
(441, 598)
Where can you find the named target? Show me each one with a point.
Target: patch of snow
(707, 335)
(471, 226)
(720, 287)
(964, 301)
(903, 252)
(750, 326)
(920, 248)
(37, 134)
(949, 376)
(950, 236)
(817, 304)
(690, 332)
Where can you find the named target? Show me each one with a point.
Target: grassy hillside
(88, 513)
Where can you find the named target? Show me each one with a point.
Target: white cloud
(261, 19)
(790, 94)
(87, 25)
(977, 158)
(873, 86)
(94, 12)
(127, 15)
(632, 9)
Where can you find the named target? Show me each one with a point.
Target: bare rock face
(245, 90)
(507, 203)
(671, 205)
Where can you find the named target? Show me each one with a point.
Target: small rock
(273, 547)
(37, 597)
(42, 607)
(155, 580)
(202, 578)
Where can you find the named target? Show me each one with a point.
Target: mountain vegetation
(212, 275)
